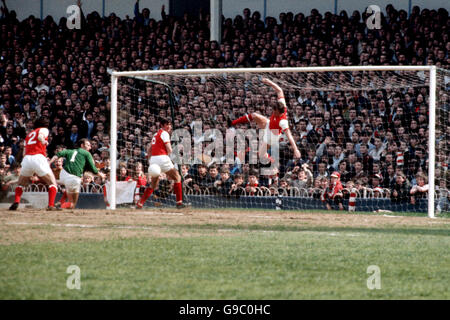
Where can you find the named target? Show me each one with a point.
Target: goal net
(371, 125)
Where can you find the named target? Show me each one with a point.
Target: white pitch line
(332, 234)
(232, 230)
(71, 225)
(132, 227)
(151, 213)
(265, 217)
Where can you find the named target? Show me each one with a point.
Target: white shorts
(268, 134)
(163, 161)
(72, 182)
(35, 163)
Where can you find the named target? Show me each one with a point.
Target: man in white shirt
(377, 152)
(41, 85)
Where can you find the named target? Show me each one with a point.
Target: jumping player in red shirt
(35, 161)
(276, 125)
(159, 150)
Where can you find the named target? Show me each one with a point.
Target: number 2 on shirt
(32, 137)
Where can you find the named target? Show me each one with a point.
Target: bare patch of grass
(30, 225)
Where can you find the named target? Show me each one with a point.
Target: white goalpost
(431, 140)
(137, 100)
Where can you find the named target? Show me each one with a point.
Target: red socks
(52, 190)
(66, 205)
(52, 195)
(244, 119)
(178, 192)
(63, 198)
(147, 193)
(105, 197)
(18, 194)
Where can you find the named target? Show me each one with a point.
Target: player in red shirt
(35, 161)
(159, 150)
(276, 125)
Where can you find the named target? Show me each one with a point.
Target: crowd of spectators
(373, 138)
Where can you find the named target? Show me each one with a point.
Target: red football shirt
(33, 145)
(279, 123)
(159, 143)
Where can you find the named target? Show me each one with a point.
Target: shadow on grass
(253, 227)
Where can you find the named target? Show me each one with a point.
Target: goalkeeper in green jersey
(77, 161)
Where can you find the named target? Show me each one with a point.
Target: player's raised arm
(288, 133)
(279, 91)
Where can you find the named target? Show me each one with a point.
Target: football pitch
(222, 254)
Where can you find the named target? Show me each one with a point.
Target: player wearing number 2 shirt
(35, 162)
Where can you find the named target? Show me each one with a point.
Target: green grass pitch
(215, 257)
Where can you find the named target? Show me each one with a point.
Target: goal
(372, 125)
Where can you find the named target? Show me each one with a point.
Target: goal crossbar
(271, 70)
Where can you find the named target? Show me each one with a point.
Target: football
(154, 170)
